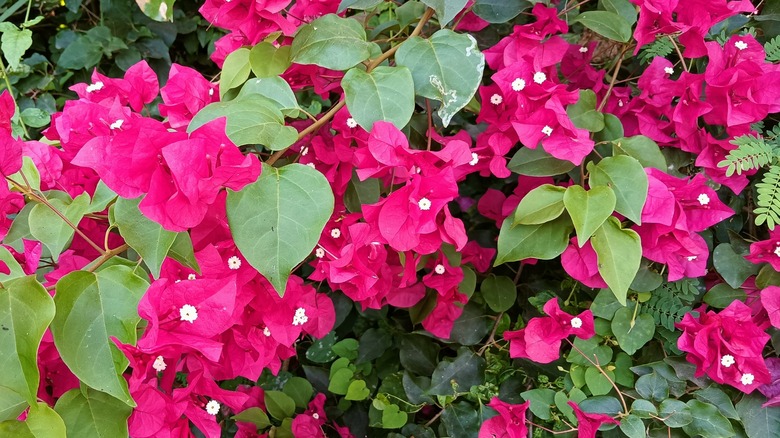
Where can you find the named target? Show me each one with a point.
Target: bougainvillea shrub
(436, 218)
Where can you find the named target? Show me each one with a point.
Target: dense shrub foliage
(369, 218)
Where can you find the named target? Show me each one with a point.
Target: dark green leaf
(385, 94)
(619, 254)
(606, 24)
(707, 422)
(93, 414)
(584, 114)
(499, 292)
(545, 241)
(758, 421)
(652, 386)
(633, 427)
(598, 383)
(541, 399)
(632, 331)
(719, 399)
(731, 265)
(418, 354)
(721, 295)
(458, 375)
(499, 11)
(588, 209)
(279, 404)
(537, 162)
(145, 236)
(675, 413)
(300, 390)
(461, 420)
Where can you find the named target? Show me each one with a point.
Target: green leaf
(331, 42)
(446, 67)
(91, 309)
(537, 162)
(674, 413)
(541, 399)
(472, 325)
(597, 382)
(418, 354)
(360, 5)
(82, 53)
(41, 422)
(35, 117)
(14, 43)
(235, 70)
(268, 61)
(13, 265)
(392, 417)
(384, 94)
(182, 251)
(584, 114)
(619, 253)
(540, 205)
(279, 404)
(719, 399)
(446, 10)
(758, 421)
(300, 390)
(374, 342)
(275, 89)
(645, 150)
(499, 11)
(340, 380)
(721, 295)
(250, 120)
(499, 292)
(357, 391)
(277, 220)
(732, 266)
(588, 209)
(626, 176)
(632, 333)
(157, 10)
(707, 422)
(49, 228)
(621, 7)
(103, 196)
(28, 173)
(633, 427)
(145, 236)
(458, 375)
(643, 408)
(256, 416)
(360, 193)
(93, 414)
(26, 309)
(544, 241)
(607, 24)
(591, 348)
(613, 129)
(461, 420)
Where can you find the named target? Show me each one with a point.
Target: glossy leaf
(619, 254)
(266, 60)
(537, 162)
(627, 178)
(457, 375)
(446, 10)
(92, 308)
(544, 241)
(632, 331)
(607, 24)
(758, 421)
(275, 89)
(277, 220)
(461, 420)
(540, 205)
(235, 70)
(584, 114)
(732, 265)
(446, 67)
(147, 237)
(331, 42)
(588, 209)
(643, 149)
(41, 422)
(93, 414)
(49, 228)
(499, 292)
(384, 94)
(707, 421)
(499, 11)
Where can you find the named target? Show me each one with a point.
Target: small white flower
(335, 233)
(669, 70)
(583, 49)
(747, 379)
(304, 151)
(234, 263)
(496, 99)
(319, 253)
(741, 45)
(163, 9)
(703, 199)
(474, 159)
(316, 416)
(177, 281)
(620, 103)
(576, 322)
(211, 91)
(547, 130)
(188, 313)
(300, 317)
(727, 360)
(311, 165)
(691, 258)
(352, 123)
(266, 332)
(439, 269)
(212, 407)
(159, 364)
(540, 77)
(97, 86)
(117, 124)
(191, 277)
(424, 204)
(777, 250)
(518, 84)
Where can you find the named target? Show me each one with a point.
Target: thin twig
(679, 53)
(601, 370)
(612, 81)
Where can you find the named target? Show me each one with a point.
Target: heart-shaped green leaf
(540, 205)
(392, 417)
(588, 209)
(619, 254)
(632, 331)
(357, 391)
(627, 178)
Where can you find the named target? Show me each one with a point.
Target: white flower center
(727, 360)
(234, 263)
(547, 130)
(703, 199)
(741, 45)
(188, 313)
(424, 204)
(583, 49)
(540, 77)
(211, 91)
(335, 233)
(518, 84)
(747, 379)
(439, 269)
(163, 9)
(351, 122)
(496, 99)
(300, 317)
(474, 159)
(159, 364)
(777, 250)
(669, 70)
(212, 407)
(319, 253)
(620, 103)
(304, 151)
(311, 165)
(117, 124)
(576, 322)
(691, 258)
(266, 332)
(191, 277)
(97, 86)
(316, 416)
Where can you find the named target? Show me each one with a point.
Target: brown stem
(554, 432)
(430, 122)
(612, 81)
(100, 260)
(433, 420)
(374, 64)
(679, 53)
(601, 370)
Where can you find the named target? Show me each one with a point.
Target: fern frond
(660, 47)
(772, 49)
(768, 198)
(671, 301)
(751, 153)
